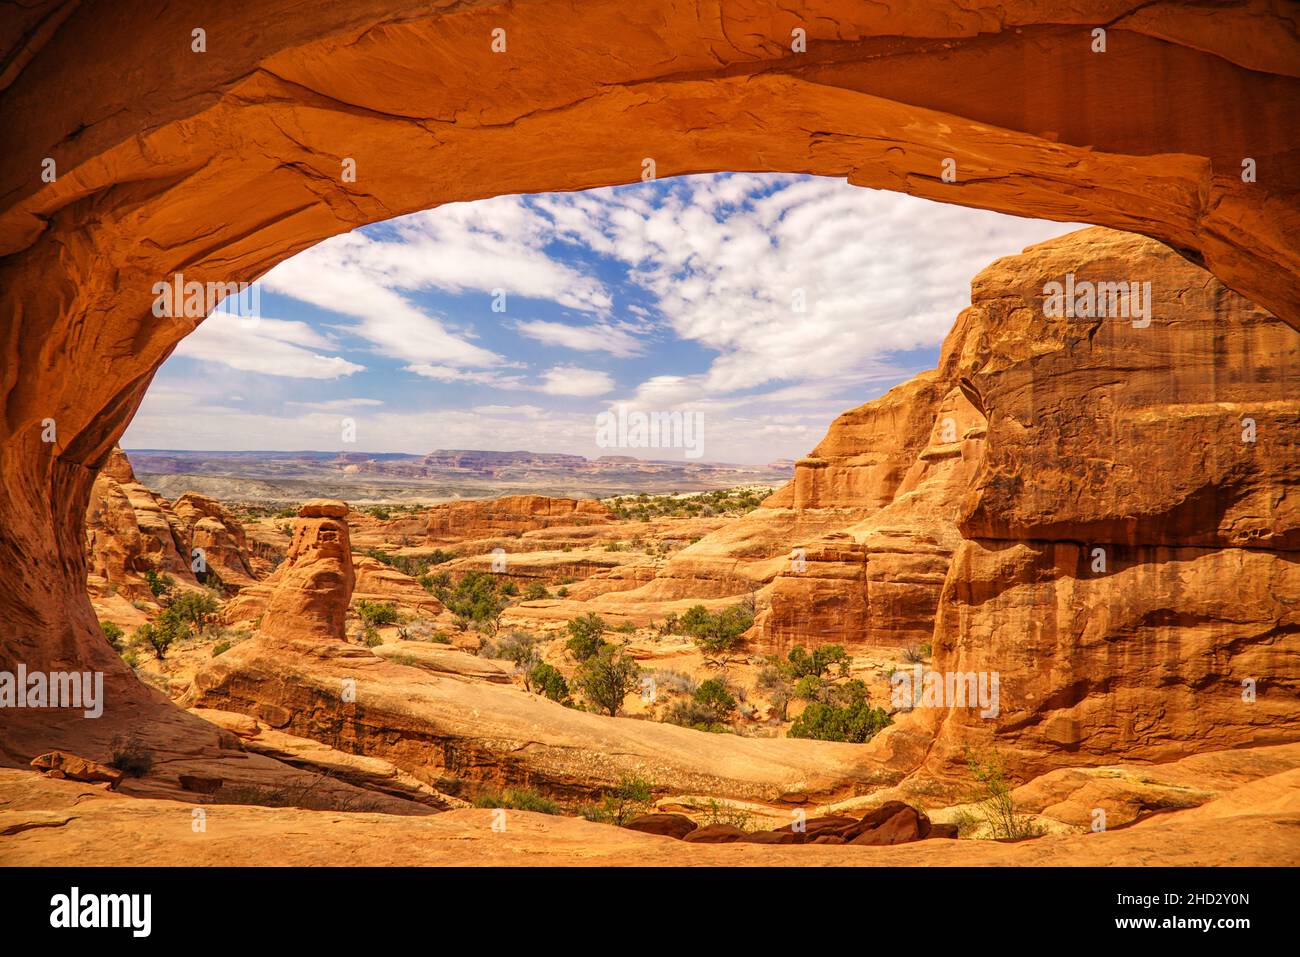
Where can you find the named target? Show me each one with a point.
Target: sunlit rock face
(508, 515)
(313, 587)
(1101, 510)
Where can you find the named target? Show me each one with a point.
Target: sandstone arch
(222, 163)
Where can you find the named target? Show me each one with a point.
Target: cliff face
(508, 515)
(1102, 511)
(1129, 554)
(130, 530)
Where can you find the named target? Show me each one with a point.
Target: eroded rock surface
(312, 588)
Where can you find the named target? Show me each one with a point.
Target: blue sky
(766, 303)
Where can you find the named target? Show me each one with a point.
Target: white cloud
(572, 380)
(731, 262)
(590, 338)
(336, 405)
(450, 374)
(269, 346)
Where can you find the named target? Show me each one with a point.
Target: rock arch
(221, 163)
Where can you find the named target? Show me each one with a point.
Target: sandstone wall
(509, 514)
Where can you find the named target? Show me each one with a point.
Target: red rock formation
(1130, 539)
(205, 524)
(130, 530)
(224, 163)
(314, 585)
(509, 515)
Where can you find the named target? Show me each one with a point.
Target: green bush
(535, 591)
(161, 635)
(586, 636)
(371, 637)
(994, 801)
(631, 797)
(414, 565)
(130, 756)
(606, 678)
(519, 647)
(112, 633)
(159, 585)
(807, 688)
(220, 648)
(710, 708)
(194, 608)
(376, 613)
(546, 680)
(435, 580)
(846, 715)
(716, 633)
(474, 601)
(519, 799)
(509, 589)
(801, 664)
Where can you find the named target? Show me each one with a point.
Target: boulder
(668, 825)
(61, 764)
(716, 834)
(892, 823)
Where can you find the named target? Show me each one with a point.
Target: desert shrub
(440, 639)
(194, 608)
(112, 634)
(845, 715)
(716, 633)
(994, 801)
(435, 580)
(586, 635)
(606, 678)
(626, 628)
(800, 664)
(509, 588)
(159, 584)
(371, 637)
(546, 680)
(474, 600)
(519, 799)
(562, 592)
(535, 592)
(519, 647)
(414, 565)
(717, 812)
(807, 688)
(376, 613)
(160, 635)
(130, 756)
(631, 797)
(714, 697)
(673, 682)
(220, 648)
(709, 708)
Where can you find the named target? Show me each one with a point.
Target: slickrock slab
(1253, 827)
